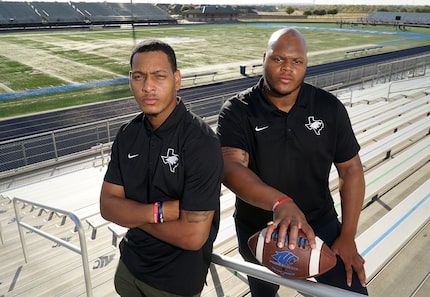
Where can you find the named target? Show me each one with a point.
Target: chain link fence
(45, 149)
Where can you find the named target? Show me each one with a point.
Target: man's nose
(147, 85)
(287, 66)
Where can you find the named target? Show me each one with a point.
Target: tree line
(335, 9)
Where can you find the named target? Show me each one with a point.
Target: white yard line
(64, 69)
(6, 88)
(340, 49)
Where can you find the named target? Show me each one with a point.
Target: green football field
(45, 59)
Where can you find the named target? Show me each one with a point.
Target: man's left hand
(353, 261)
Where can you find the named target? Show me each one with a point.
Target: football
(302, 262)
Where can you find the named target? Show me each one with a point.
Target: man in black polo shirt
(163, 182)
(279, 140)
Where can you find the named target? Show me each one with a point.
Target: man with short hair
(163, 182)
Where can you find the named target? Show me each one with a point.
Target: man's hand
(287, 217)
(347, 250)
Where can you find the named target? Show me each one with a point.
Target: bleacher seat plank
(1, 233)
(380, 242)
(384, 148)
(224, 282)
(375, 110)
(95, 222)
(387, 175)
(393, 125)
(373, 154)
(117, 233)
(392, 113)
(63, 193)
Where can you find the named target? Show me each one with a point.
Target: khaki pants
(127, 285)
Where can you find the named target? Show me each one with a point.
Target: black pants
(335, 277)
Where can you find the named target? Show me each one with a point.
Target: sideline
(52, 90)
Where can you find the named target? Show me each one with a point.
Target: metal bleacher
(60, 13)
(399, 17)
(97, 12)
(395, 149)
(42, 13)
(17, 13)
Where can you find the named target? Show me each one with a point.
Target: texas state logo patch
(314, 125)
(171, 159)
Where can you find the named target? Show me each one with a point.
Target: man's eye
(137, 76)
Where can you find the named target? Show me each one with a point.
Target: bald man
(279, 140)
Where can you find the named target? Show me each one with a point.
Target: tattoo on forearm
(244, 158)
(196, 216)
(236, 154)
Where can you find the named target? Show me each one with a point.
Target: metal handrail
(260, 272)
(399, 82)
(81, 250)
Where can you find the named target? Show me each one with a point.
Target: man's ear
(177, 76)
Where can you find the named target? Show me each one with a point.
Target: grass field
(42, 59)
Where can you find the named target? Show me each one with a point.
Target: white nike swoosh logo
(258, 129)
(130, 156)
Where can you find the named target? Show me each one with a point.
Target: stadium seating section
(385, 17)
(42, 14)
(38, 14)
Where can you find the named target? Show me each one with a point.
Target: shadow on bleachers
(54, 14)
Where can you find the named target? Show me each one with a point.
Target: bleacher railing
(81, 249)
(303, 286)
(260, 272)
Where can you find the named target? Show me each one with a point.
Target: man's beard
(152, 115)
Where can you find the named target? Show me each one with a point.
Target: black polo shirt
(179, 160)
(292, 152)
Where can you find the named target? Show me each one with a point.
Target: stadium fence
(46, 149)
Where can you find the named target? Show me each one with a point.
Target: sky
(254, 2)
(287, 2)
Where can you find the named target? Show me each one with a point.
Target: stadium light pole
(132, 22)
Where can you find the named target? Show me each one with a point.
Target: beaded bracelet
(160, 212)
(281, 200)
(155, 212)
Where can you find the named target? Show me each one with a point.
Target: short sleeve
(113, 173)
(230, 126)
(347, 145)
(203, 175)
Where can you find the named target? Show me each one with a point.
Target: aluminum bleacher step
(117, 233)
(380, 242)
(393, 125)
(373, 154)
(387, 175)
(384, 148)
(374, 110)
(392, 113)
(95, 222)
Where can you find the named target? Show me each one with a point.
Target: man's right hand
(289, 219)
